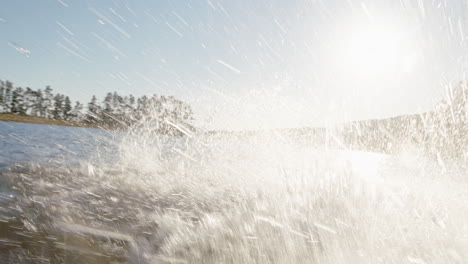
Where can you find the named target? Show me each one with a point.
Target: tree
(117, 104)
(29, 101)
(39, 103)
(57, 113)
(48, 102)
(2, 96)
(76, 114)
(17, 101)
(93, 113)
(459, 102)
(107, 111)
(67, 108)
(131, 105)
(7, 96)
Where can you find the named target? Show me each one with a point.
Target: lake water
(26, 143)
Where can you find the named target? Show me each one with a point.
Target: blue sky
(242, 64)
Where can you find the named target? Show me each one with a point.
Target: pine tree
(130, 108)
(118, 109)
(117, 104)
(93, 114)
(107, 111)
(2, 96)
(76, 113)
(67, 108)
(17, 101)
(29, 101)
(8, 96)
(39, 103)
(57, 113)
(48, 102)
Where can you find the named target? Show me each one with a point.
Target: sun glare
(378, 50)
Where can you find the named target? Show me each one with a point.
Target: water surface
(38, 143)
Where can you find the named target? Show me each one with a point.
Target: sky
(243, 64)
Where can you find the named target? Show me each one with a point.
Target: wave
(208, 199)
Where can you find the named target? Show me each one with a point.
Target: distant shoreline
(41, 120)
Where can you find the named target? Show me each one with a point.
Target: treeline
(442, 132)
(172, 116)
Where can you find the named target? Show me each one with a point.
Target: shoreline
(41, 120)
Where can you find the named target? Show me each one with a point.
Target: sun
(377, 50)
(372, 49)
